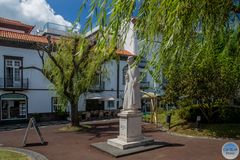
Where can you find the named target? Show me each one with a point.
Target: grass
(11, 155)
(179, 125)
(69, 128)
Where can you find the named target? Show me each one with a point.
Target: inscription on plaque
(123, 127)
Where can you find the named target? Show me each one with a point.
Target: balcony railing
(58, 30)
(144, 85)
(10, 84)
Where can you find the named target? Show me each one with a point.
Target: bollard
(198, 121)
(168, 120)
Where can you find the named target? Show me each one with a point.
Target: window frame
(57, 105)
(124, 72)
(13, 59)
(112, 106)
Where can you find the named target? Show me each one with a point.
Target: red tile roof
(12, 24)
(22, 37)
(125, 53)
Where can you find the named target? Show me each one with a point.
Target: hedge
(217, 114)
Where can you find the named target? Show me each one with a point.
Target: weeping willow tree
(71, 65)
(73, 70)
(199, 42)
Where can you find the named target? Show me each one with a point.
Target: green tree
(199, 51)
(70, 65)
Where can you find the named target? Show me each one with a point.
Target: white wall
(111, 75)
(38, 93)
(30, 58)
(39, 101)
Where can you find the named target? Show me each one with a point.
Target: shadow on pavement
(36, 144)
(166, 144)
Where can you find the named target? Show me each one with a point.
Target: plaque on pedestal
(130, 131)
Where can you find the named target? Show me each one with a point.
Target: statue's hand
(126, 77)
(134, 84)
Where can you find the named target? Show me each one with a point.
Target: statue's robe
(132, 97)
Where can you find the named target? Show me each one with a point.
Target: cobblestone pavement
(11, 127)
(76, 145)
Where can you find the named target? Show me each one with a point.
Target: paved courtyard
(76, 146)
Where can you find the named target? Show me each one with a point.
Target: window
(57, 106)
(17, 63)
(9, 63)
(111, 104)
(124, 74)
(22, 109)
(13, 74)
(94, 104)
(98, 84)
(17, 74)
(143, 77)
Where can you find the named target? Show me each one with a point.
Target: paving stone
(19, 126)
(116, 152)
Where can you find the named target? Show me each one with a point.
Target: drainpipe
(118, 69)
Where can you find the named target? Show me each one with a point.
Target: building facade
(25, 92)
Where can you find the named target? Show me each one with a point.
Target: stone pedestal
(130, 131)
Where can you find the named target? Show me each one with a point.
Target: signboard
(198, 118)
(32, 123)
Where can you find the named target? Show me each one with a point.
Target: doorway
(13, 106)
(93, 105)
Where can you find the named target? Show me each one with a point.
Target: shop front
(13, 106)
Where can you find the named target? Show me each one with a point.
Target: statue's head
(130, 60)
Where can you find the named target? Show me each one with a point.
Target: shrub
(190, 113)
(216, 114)
(229, 114)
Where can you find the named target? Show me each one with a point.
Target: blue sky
(39, 12)
(67, 8)
(70, 10)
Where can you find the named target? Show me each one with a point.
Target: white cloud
(34, 12)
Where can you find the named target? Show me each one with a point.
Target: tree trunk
(74, 114)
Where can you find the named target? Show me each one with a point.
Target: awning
(150, 95)
(13, 96)
(110, 99)
(101, 97)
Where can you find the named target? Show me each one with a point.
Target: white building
(27, 92)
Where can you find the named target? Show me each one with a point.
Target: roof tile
(22, 37)
(125, 53)
(7, 23)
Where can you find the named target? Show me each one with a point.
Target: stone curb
(31, 154)
(196, 137)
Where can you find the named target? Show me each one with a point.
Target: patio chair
(88, 115)
(96, 114)
(110, 114)
(115, 113)
(101, 114)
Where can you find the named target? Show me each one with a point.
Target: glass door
(17, 74)
(5, 110)
(9, 73)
